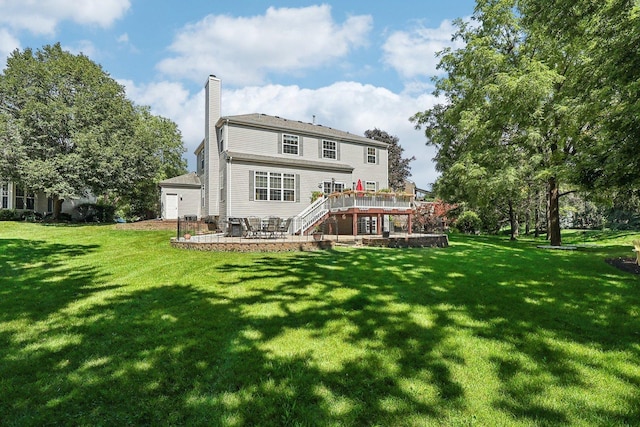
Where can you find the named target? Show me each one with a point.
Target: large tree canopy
(519, 97)
(399, 168)
(67, 128)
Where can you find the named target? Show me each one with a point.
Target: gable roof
(186, 180)
(265, 121)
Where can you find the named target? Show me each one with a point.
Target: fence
(189, 225)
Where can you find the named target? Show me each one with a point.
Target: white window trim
(368, 184)
(286, 143)
(334, 150)
(370, 155)
(337, 186)
(268, 188)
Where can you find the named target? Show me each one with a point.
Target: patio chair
(273, 225)
(284, 227)
(254, 226)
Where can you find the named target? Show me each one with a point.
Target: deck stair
(314, 214)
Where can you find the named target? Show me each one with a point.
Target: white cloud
(242, 50)
(348, 106)
(413, 53)
(86, 47)
(8, 43)
(173, 101)
(42, 17)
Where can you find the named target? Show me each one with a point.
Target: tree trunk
(536, 216)
(554, 213)
(513, 222)
(57, 207)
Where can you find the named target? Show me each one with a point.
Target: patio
(221, 242)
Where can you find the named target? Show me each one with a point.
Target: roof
(187, 180)
(278, 123)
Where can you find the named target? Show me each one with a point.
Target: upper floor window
(371, 155)
(202, 161)
(329, 149)
(290, 144)
(275, 186)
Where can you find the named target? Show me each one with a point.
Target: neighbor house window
(275, 186)
(290, 144)
(370, 186)
(24, 200)
(329, 150)
(371, 155)
(5, 195)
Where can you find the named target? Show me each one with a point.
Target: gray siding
(241, 205)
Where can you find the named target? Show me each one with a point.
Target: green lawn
(100, 326)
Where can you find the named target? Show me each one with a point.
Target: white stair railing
(305, 219)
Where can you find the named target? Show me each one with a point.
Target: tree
(608, 33)
(162, 143)
(67, 129)
(399, 169)
(510, 100)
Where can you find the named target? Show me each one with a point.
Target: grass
(108, 327)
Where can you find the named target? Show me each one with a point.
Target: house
(20, 199)
(262, 165)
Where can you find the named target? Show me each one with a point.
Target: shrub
(468, 222)
(91, 212)
(8, 215)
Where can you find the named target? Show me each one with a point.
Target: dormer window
(290, 144)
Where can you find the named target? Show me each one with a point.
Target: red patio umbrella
(359, 186)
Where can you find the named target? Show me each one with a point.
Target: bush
(8, 215)
(91, 212)
(468, 222)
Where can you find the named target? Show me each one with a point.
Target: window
(289, 144)
(329, 187)
(329, 149)
(275, 186)
(370, 186)
(5, 195)
(24, 200)
(371, 155)
(202, 162)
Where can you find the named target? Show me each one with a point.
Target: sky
(354, 65)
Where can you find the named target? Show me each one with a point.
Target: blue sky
(355, 65)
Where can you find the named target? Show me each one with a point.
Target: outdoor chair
(254, 226)
(284, 227)
(273, 226)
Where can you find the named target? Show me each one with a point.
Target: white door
(171, 206)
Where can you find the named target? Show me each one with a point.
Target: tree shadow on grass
(37, 280)
(346, 337)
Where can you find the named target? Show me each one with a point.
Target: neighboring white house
(261, 165)
(23, 200)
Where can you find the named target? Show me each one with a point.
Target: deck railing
(354, 199)
(305, 219)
